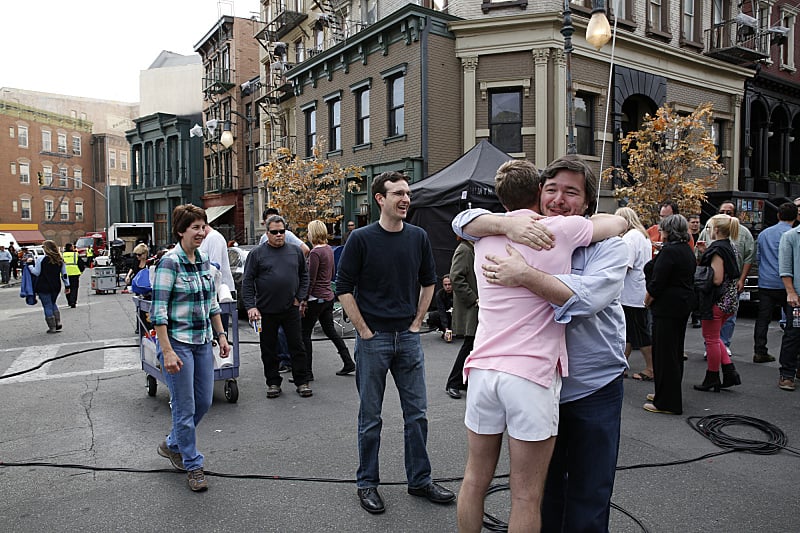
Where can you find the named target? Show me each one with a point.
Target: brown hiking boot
(174, 457)
(197, 480)
(273, 391)
(304, 390)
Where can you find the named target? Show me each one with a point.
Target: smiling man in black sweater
(385, 283)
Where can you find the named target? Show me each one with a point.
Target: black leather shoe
(370, 500)
(435, 493)
(453, 392)
(346, 370)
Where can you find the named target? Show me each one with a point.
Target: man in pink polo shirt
(519, 357)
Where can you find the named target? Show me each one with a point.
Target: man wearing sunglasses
(274, 284)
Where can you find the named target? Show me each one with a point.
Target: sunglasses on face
(277, 231)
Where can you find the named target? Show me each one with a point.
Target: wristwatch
(218, 333)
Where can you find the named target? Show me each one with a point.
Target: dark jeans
(577, 493)
(324, 313)
(290, 320)
(790, 346)
(401, 354)
(5, 271)
(668, 337)
(768, 300)
(74, 284)
(456, 378)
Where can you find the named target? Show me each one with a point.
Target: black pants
(290, 320)
(74, 284)
(790, 346)
(768, 300)
(456, 378)
(668, 336)
(322, 311)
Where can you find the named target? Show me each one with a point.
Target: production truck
(132, 233)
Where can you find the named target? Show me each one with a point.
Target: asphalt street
(288, 464)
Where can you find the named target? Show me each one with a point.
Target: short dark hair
(574, 163)
(517, 185)
(787, 212)
(672, 204)
(269, 211)
(688, 217)
(379, 183)
(68, 246)
(729, 202)
(183, 216)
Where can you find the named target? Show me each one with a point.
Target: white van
(7, 239)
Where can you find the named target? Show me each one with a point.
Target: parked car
(37, 251)
(237, 256)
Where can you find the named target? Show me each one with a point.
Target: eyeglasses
(726, 212)
(277, 231)
(351, 225)
(139, 255)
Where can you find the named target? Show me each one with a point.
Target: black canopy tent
(467, 182)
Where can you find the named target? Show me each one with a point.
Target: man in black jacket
(274, 287)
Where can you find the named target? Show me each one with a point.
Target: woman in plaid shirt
(184, 309)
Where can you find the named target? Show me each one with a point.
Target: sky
(96, 48)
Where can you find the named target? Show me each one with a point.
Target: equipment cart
(224, 369)
(104, 279)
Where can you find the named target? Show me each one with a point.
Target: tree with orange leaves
(672, 157)
(307, 189)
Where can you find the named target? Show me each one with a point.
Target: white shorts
(497, 401)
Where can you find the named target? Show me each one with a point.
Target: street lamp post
(227, 141)
(598, 32)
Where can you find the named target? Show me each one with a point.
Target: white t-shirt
(640, 251)
(217, 249)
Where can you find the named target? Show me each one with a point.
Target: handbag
(728, 301)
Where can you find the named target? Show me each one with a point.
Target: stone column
(736, 141)
(558, 129)
(469, 66)
(541, 57)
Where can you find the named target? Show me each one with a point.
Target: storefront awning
(216, 211)
(28, 236)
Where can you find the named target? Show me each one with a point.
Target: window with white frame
(78, 210)
(62, 143)
(65, 209)
(123, 160)
(362, 116)
(22, 136)
(12, 132)
(47, 173)
(112, 159)
(62, 177)
(77, 175)
(335, 124)
(25, 209)
(691, 20)
(397, 102)
(47, 141)
(48, 209)
(658, 16)
(311, 130)
(14, 206)
(24, 173)
(76, 145)
(13, 168)
(789, 19)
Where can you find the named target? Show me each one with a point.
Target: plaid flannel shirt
(184, 298)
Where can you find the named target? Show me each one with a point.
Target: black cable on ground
(78, 352)
(64, 356)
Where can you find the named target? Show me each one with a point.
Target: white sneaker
(729, 351)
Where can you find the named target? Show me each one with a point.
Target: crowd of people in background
(557, 322)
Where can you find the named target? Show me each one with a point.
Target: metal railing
(736, 42)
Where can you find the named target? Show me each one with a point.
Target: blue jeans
(48, 303)
(577, 493)
(401, 354)
(726, 333)
(192, 390)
